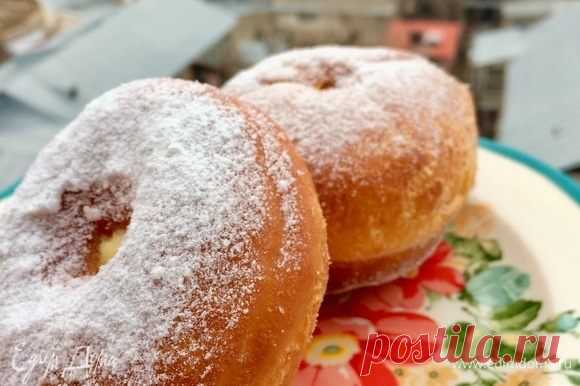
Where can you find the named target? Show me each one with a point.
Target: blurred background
(521, 57)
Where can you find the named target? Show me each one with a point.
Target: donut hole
(106, 241)
(325, 84)
(320, 76)
(329, 75)
(88, 229)
(93, 222)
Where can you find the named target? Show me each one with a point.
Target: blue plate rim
(565, 183)
(8, 191)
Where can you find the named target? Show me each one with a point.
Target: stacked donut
(390, 141)
(173, 235)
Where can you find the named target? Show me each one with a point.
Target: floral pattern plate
(509, 265)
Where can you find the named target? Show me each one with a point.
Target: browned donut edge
(345, 277)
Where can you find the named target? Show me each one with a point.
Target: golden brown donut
(390, 140)
(168, 236)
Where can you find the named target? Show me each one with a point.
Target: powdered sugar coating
(390, 140)
(182, 165)
(331, 100)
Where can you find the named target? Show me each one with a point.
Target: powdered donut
(390, 140)
(168, 236)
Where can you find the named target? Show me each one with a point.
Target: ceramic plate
(509, 268)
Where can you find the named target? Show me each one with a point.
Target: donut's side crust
(268, 343)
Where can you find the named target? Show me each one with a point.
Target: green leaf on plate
(571, 369)
(571, 365)
(474, 248)
(575, 380)
(466, 297)
(515, 316)
(564, 322)
(480, 382)
(491, 249)
(461, 337)
(528, 354)
(498, 286)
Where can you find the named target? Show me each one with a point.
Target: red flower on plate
(436, 275)
(345, 341)
(334, 357)
(343, 347)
